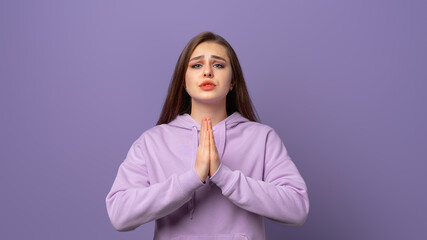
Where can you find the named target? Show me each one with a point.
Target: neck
(216, 112)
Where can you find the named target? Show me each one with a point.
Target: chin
(209, 100)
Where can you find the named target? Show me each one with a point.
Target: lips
(207, 83)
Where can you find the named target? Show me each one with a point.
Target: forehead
(210, 48)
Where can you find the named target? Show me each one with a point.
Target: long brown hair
(178, 101)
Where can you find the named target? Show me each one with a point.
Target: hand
(213, 153)
(202, 155)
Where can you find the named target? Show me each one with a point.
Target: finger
(211, 142)
(206, 144)
(205, 133)
(210, 134)
(202, 133)
(210, 127)
(209, 124)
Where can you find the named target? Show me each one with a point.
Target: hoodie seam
(227, 192)
(142, 142)
(180, 186)
(228, 187)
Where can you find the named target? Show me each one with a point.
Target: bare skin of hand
(207, 160)
(202, 155)
(213, 153)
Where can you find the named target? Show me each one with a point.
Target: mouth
(207, 84)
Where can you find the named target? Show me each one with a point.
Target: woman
(208, 169)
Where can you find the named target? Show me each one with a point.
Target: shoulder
(255, 131)
(264, 131)
(256, 127)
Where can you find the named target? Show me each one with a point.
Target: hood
(219, 130)
(185, 121)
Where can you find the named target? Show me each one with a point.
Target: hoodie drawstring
(185, 121)
(220, 139)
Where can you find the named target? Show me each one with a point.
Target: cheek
(228, 75)
(187, 78)
(190, 74)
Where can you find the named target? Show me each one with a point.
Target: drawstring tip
(191, 205)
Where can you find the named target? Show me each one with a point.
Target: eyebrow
(213, 56)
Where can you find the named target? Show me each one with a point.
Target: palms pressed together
(207, 160)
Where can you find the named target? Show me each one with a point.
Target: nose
(208, 73)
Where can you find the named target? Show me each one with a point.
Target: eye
(196, 65)
(217, 65)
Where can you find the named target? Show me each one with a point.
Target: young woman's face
(208, 76)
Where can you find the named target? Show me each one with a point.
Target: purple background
(342, 82)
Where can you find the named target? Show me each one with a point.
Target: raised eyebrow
(213, 56)
(197, 58)
(218, 57)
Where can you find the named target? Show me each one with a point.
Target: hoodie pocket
(237, 236)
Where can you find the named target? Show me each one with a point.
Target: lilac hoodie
(256, 178)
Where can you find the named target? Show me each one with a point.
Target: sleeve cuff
(190, 181)
(223, 178)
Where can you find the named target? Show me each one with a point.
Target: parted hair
(178, 101)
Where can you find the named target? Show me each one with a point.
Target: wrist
(202, 176)
(214, 168)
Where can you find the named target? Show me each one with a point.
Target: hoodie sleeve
(133, 201)
(281, 197)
